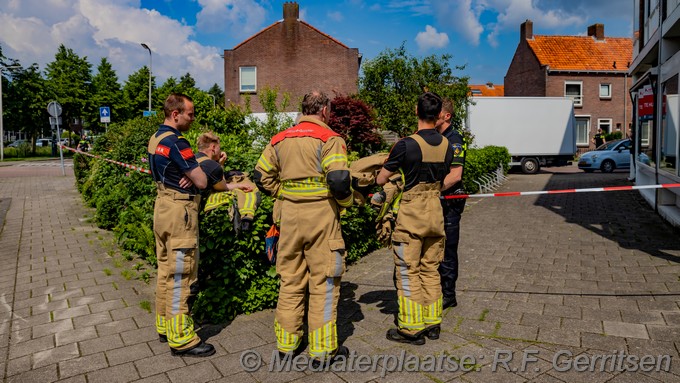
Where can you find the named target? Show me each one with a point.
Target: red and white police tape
(137, 168)
(455, 196)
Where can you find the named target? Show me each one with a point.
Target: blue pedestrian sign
(104, 114)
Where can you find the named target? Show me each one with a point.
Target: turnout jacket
(306, 162)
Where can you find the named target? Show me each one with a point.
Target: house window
(605, 90)
(248, 78)
(574, 90)
(605, 124)
(645, 133)
(582, 128)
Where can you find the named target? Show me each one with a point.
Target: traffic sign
(148, 113)
(54, 109)
(104, 114)
(55, 121)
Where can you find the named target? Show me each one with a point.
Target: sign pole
(54, 109)
(61, 149)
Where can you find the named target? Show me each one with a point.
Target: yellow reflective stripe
(180, 330)
(285, 341)
(306, 187)
(333, 158)
(347, 202)
(249, 204)
(432, 314)
(323, 341)
(264, 164)
(160, 324)
(410, 314)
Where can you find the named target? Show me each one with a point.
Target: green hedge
(479, 162)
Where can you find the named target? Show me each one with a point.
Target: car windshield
(608, 145)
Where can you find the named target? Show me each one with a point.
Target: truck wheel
(607, 166)
(530, 166)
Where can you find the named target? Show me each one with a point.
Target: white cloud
(238, 17)
(430, 38)
(31, 31)
(335, 16)
(461, 17)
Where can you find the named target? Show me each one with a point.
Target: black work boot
(433, 331)
(449, 302)
(395, 335)
(162, 338)
(201, 350)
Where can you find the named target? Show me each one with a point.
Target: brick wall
(295, 57)
(595, 107)
(525, 77)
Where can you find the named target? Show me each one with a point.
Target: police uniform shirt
(213, 170)
(459, 148)
(172, 159)
(406, 155)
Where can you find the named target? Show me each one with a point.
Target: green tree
(107, 92)
(27, 102)
(136, 93)
(216, 91)
(186, 82)
(68, 82)
(392, 82)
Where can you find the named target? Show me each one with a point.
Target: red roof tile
(582, 52)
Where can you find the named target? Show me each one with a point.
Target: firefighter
(211, 159)
(453, 208)
(175, 225)
(424, 159)
(305, 168)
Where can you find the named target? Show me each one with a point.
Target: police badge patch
(457, 149)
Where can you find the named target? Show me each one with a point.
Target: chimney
(489, 85)
(597, 31)
(291, 11)
(526, 30)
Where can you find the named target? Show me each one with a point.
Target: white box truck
(538, 131)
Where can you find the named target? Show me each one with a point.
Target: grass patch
(482, 317)
(145, 305)
(127, 274)
(107, 272)
(115, 285)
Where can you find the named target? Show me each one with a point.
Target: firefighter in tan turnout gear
(175, 226)
(305, 168)
(425, 159)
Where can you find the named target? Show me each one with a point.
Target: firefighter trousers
(310, 260)
(176, 232)
(418, 246)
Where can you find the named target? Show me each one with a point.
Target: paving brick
(158, 364)
(92, 319)
(116, 327)
(200, 372)
(18, 365)
(76, 335)
(627, 330)
(82, 365)
(44, 374)
(101, 343)
(128, 354)
(55, 355)
(107, 306)
(121, 373)
(31, 346)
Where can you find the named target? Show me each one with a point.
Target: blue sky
(190, 35)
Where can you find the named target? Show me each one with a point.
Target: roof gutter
(614, 72)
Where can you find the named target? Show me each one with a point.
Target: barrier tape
(137, 168)
(454, 196)
(562, 191)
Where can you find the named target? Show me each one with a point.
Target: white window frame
(645, 133)
(608, 94)
(587, 127)
(578, 99)
(247, 87)
(605, 124)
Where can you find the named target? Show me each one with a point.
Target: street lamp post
(213, 97)
(150, 62)
(2, 131)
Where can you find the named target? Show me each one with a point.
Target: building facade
(592, 70)
(293, 57)
(654, 73)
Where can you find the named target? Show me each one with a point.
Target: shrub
(479, 162)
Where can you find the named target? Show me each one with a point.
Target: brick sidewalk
(591, 274)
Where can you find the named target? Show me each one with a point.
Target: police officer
(425, 159)
(305, 167)
(176, 227)
(453, 208)
(598, 139)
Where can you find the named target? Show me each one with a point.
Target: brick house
(293, 56)
(592, 70)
